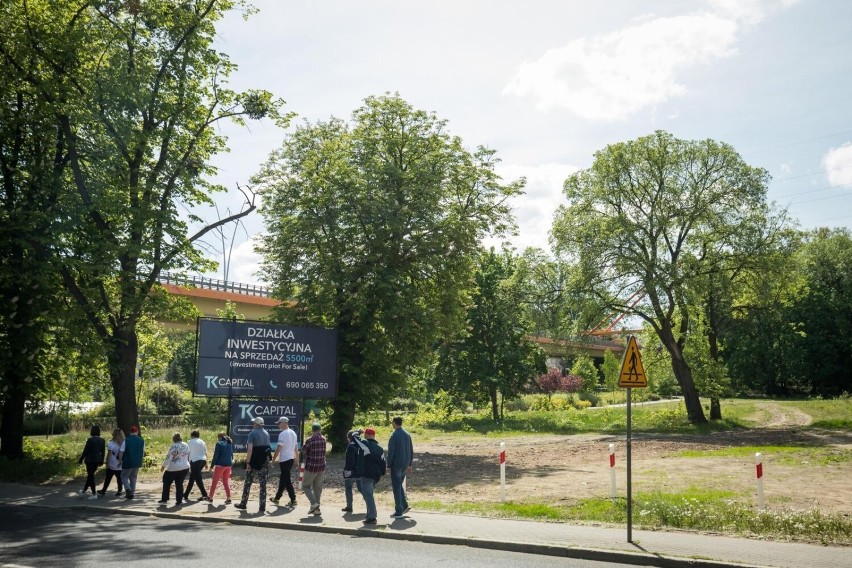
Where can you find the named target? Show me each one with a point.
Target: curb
(593, 554)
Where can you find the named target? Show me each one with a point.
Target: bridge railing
(215, 284)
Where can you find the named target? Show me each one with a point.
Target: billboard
(245, 358)
(244, 411)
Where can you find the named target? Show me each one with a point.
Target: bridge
(256, 303)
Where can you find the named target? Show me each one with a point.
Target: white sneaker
(81, 492)
(93, 497)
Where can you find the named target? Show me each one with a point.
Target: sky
(548, 83)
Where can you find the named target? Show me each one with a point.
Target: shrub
(400, 403)
(591, 397)
(170, 399)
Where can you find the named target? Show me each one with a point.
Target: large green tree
(31, 164)
(135, 90)
(494, 355)
(373, 228)
(654, 216)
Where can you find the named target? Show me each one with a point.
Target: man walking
(313, 451)
(368, 470)
(130, 456)
(285, 454)
(256, 463)
(400, 458)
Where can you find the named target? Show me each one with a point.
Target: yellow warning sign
(632, 371)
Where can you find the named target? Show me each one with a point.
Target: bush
(591, 397)
(40, 424)
(41, 462)
(403, 404)
(170, 399)
(209, 411)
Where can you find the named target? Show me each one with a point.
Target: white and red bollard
(612, 471)
(758, 466)
(502, 472)
(301, 474)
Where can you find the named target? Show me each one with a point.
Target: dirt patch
(564, 469)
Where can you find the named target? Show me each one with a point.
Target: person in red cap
(369, 468)
(130, 455)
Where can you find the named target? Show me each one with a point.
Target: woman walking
(93, 456)
(113, 465)
(197, 463)
(174, 468)
(223, 460)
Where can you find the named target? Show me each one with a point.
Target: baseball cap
(257, 420)
(315, 426)
(284, 419)
(369, 432)
(134, 430)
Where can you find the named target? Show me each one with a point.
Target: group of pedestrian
(365, 464)
(190, 458)
(122, 456)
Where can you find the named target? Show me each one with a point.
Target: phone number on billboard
(296, 385)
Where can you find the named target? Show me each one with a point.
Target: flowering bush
(555, 381)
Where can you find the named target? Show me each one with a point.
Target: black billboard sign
(244, 358)
(244, 411)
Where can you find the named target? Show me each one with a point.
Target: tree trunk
(12, 425)
(715, 408)
(492, 395)
(342, 419)
(121, 358)
(687, 385)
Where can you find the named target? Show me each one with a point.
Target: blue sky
(548, 83)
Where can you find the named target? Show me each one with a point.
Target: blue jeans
(399, 499)
(347, 489)
(365, 486)
(128, 479)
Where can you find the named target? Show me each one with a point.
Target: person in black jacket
(349, 467)
(93, 456)
(369, 469)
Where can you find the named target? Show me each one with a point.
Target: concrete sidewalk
(649, 548)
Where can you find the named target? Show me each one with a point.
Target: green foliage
(136, 125)
(494, 356)
(610, 370)
(181, 368)
(584, 368)
(170, 398)
(373, 229)
(41, 462)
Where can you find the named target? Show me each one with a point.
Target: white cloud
(837, 163)
(749, 11)
(534, 210)
(245, 263)
(610, 77)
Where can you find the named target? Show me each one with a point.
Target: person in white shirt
(197, 463)
(113, 465)
(285, 455)
(174, 468)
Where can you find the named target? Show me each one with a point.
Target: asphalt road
(34, 537)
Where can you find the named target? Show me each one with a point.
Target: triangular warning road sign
(632, 371)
